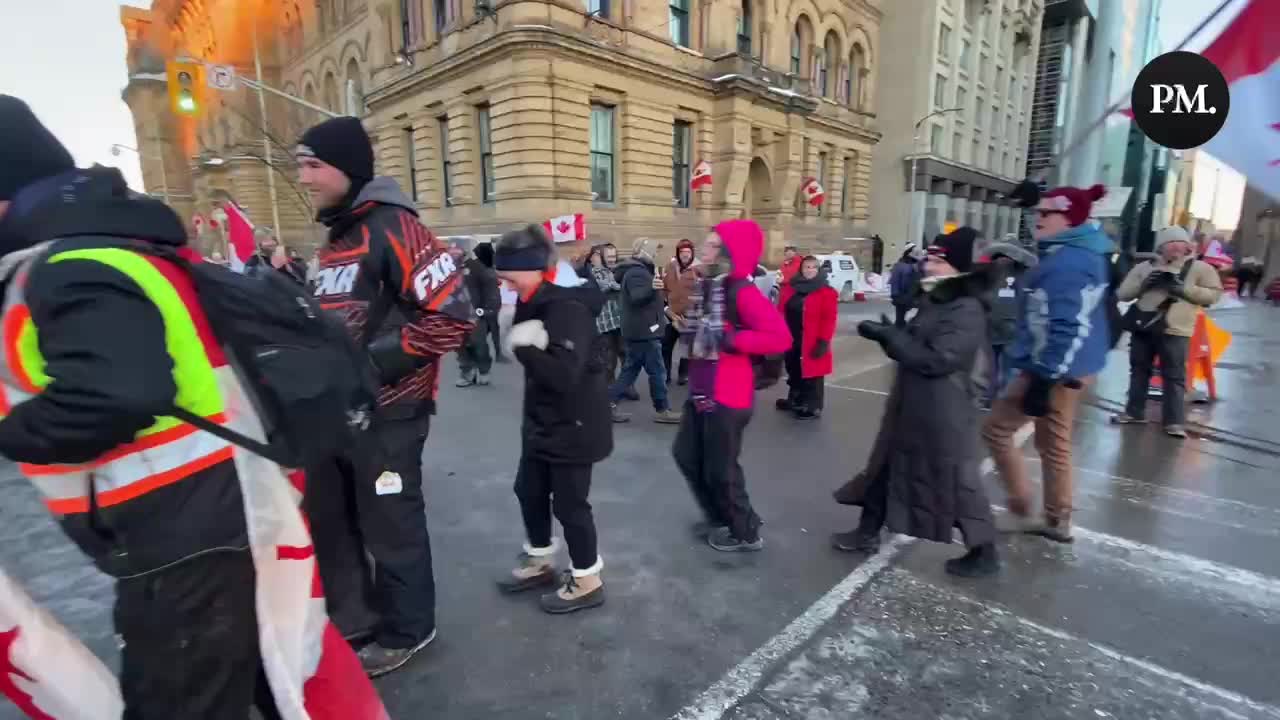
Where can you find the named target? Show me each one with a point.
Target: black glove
(820, 350)
(878, 331)
(390, 361)
(1035, 403)
(1176, 288)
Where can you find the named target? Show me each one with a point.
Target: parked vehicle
(767, 281)
(843, 274)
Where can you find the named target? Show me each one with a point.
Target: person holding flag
(401, 294)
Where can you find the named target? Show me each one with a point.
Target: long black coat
(928, 440)
(566, 403)
(642, 314)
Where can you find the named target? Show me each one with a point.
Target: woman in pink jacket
(727, 322)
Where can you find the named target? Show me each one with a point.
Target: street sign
(221, 77)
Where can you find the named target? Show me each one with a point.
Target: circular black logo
(1180, 100)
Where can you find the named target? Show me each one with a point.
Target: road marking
(718, 699)
(861, 369)
(857, 389)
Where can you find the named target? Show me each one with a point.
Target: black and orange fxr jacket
(397, 287)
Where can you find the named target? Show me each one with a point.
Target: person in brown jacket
(1176, 285)
(679, 280)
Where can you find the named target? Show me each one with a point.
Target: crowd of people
(80, 253)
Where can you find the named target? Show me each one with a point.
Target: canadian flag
(701, 175)
(1248, 54)
(239, 236)
(313, 673)
(197, 222)
(567, 228)
(813, 192)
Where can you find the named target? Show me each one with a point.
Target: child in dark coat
(566, 426)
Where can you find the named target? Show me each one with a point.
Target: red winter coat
(820, 311)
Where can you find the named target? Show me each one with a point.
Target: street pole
(266, 139)
(911, 192)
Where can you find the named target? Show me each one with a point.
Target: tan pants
(1053, 441)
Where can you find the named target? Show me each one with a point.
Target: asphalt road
(1167, 606)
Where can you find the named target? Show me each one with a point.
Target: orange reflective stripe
(17, 321)
(71, 506)
(146, 442)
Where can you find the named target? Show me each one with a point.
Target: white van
(843, 274)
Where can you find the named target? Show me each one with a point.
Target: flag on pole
(701, 175)
(239, 236)
(566, 228)
(813, 192)
(1248, 54)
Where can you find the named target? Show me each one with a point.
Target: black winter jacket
(642, 306)
(482, 286)
(111, 375)
(566, 402)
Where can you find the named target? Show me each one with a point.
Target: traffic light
(186, 87)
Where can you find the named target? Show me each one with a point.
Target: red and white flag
(701, 175)
(813, 192)
(197, 222)
(1248, 54)
(566, 228)
(239, 236)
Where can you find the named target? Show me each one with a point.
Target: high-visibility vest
(168, 451)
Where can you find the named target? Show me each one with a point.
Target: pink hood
(744, 241)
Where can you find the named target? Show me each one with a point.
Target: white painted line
(1174, 676)
(857, 389)
(743, 678)
(845, 374)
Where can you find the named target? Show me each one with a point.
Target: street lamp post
(911, 193)
(164, 177)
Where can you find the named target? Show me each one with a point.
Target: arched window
(744, 28)
(356, 83)
(828, 60)
(801, 36)
(857, 71)
(332, 100)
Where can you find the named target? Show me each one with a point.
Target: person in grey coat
(922, 478)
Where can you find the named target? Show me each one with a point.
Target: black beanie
(484, 253)
(342, 143)
(956, 247)
(523, 249)
(28, 151)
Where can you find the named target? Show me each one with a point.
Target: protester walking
(597, 269)
(679, 281)
(728, 321)
(1169, 293)
(643, 318)
(566, 426)
(903, 285)
(790, 264)
(1249, 274)
(402, 295)
(1062, 341)
(811, 308)
(1008, 262)
(923, 477)
(108, 341)
(474, 361)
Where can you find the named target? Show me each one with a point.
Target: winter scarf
(704, 320)
(804, 286)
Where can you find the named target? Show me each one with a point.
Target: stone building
(960, 99)
(493, 113)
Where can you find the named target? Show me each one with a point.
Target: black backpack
(766, 368)
(311, 384)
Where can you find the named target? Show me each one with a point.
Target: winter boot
(856, 541)
(705, 528)
(531, 572)
(578, 592)
(804, 412)
(668, 417)
(618, 415)
(377, 660)
(467, 380)
(724, 541)
(1055, 529)
(1176, 431)
(482, 379)
(978, 562)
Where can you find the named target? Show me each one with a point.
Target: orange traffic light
(186, 87)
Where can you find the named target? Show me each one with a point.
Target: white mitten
(528, 333)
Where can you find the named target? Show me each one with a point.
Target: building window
(795, 49)
(486, 154)
(1013, 85)
(599, 8)
(446, 165)
(995, 119)
(822, 173)
(847, 189)
(995, 86)
(681, 151)
(830, 61)
(940, 92)
(744, 28)
(678, 13)
(935, 139)
(411, 163)
(957, 146)
(962, 100)
(977, 153)
(857, 70)
(944, 43)
(991, 156)
(602, 153)
(411, 25)
(1004, 163)
(965, 51)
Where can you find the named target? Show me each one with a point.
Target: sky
(68, 63)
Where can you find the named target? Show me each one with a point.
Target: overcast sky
(79, 48)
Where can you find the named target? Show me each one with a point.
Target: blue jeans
(646, 355)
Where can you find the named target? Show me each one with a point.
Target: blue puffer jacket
(902, 283)
(1063, 329)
